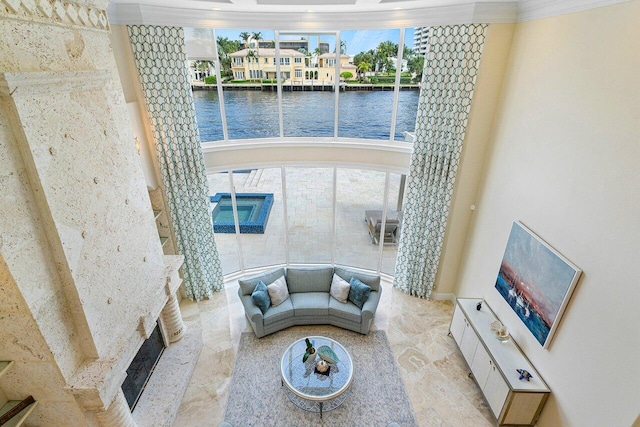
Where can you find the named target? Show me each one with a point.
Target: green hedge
(390, 80)
(210, 80)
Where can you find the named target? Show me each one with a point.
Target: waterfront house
(260, 64)
(327, 67)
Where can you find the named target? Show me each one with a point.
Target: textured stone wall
(81, 267)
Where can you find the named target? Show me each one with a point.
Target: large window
(377, 90)
(316, 215)
(340, 85)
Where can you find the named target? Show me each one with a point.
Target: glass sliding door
(309, 198)
(394, 222)
(359, 198)
(259, 196)
(223, 222)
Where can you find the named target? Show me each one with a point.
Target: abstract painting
(536, 281)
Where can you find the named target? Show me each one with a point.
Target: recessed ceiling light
(215, 8)
(397, 8)
(310, 10)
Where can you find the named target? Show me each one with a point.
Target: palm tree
(244, 36)
(225, 47)
(384, 51)
(257, 36)
(363, 68)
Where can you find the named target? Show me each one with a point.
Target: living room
(551, 136)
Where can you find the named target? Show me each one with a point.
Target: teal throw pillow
(260, 297)
(359, 292)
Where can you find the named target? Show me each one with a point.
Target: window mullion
(396, 87)
(236, 221)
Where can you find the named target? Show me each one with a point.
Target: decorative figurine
(479, 306)
(322, 366)
(310, 350)
(328, 355)
(524, 374)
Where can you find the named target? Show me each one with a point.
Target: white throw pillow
(278, 291)
(339, 289)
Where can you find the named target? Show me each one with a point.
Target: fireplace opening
(142, 367)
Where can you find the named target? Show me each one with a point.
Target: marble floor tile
(433, 371)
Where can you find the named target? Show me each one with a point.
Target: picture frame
(536, 281)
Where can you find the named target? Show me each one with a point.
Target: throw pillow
(260, 297)
(278, 291)
(358, 292)
(340, 288)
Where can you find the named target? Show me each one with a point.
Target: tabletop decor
(310, 350)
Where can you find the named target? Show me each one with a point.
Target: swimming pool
(253, 212)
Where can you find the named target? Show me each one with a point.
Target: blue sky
(357, 41)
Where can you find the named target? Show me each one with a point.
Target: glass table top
(303, 379)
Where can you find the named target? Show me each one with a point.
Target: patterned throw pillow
(340, 288)
(260, 297)
(359, 292)
(278, 291)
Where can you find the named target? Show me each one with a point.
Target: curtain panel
(451, 65)
(160, 57)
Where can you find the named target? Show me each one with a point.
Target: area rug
(376, 397)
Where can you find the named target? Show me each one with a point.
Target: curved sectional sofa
(310, 302)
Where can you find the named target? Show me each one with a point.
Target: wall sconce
(137, 141)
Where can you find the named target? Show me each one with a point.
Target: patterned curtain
(451, 64)
(160, 56)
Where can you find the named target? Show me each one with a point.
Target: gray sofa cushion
(247, 285)
(278, 312)
(313, 279)
(310, 303)
(368, 279)
(344, 310)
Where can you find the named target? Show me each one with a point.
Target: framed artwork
(536, 281)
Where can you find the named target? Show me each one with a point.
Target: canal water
(254, 114)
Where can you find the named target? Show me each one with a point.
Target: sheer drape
(160, 57)
(451, 64)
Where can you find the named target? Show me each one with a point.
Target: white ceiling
(337, 14)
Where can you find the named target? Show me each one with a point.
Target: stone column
(172, 319)
(117, 415)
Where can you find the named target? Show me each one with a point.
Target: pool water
(253, 212)
(225, 213)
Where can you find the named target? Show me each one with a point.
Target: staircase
(14, 412)
(253, 179)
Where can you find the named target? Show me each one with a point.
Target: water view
(254, 114)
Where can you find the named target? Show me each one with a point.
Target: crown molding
(486, 12)
(473, 12)
(529, 10)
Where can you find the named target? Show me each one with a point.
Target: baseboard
(441, 296)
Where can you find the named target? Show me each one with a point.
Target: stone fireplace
(83, 277)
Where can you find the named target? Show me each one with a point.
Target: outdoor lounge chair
(391, 228)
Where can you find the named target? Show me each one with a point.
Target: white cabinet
(493, 364)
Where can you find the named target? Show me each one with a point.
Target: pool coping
(251, 227)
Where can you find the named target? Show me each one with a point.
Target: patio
(310, 217)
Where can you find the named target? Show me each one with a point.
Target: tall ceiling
(337, 14)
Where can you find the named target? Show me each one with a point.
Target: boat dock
(272, 87)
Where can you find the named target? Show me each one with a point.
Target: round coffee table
(309, 389)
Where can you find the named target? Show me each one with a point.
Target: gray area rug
(376, 397)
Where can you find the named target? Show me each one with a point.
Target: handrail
(16, 410)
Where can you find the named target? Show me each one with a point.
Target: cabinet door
(457, 325)
(481, 365)
(495, 390)
(469, 342)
